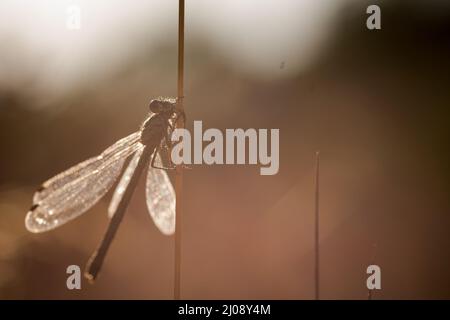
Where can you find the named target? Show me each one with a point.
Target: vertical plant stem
(316, 232)
(370, 291)
(179, 175)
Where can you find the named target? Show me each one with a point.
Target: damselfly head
(162, 104)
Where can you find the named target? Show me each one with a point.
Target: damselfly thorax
(74, 191)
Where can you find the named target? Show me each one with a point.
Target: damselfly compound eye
(155, 106)
(163, 104)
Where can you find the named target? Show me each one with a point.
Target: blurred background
(375, 103)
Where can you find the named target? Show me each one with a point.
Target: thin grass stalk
(179, 171)
(370, 291)
(316, 232)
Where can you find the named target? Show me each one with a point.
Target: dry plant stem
(316, 233)
(95, 262)
(370, 291)
(179, 171)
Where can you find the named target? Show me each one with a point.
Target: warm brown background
(375, 104)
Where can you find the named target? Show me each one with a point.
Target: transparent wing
(84, 167)
(77, 189)
(123, 183)
(161, 198)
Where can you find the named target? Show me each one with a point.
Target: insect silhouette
(72, 192)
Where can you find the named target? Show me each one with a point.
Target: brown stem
(316, 233)
(179, 175)
(370, 291)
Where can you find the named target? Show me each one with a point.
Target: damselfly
(72, 192)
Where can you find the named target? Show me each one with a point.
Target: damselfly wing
(74, 191)
(160, 194)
